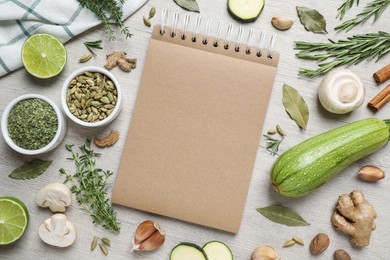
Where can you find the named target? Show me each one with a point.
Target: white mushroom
(56, 196)
(341, 91)
(57, 231)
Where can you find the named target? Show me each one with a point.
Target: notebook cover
(194, 132)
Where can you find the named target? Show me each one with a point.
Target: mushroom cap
(56, 196)
(341, 91)
(57, 231)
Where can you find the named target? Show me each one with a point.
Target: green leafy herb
(107, 10)
(347, 4)
(344, 52)
(295, 106)
(375, 8)
(30, 170)
(312, 20)
(91, 186)
(272, 144)
(93, 45)
(282, 215)
(190, 5)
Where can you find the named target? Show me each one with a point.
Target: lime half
(13, 219)
(43, 55)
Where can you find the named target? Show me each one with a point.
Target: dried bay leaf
(295, 106)
(190, 5)
(311, 19)
(282, 215)
(30, 170)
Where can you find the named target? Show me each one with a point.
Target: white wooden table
(255, 229)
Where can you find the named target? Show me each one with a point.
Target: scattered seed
(94, 243)
(280, 130)
(85, 58)
(106, 241)
(299, 240)
(271, 131)
(103, 248)
(289, 243)
(152, 12)
(147, 22)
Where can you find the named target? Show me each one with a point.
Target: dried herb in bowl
(32, 124)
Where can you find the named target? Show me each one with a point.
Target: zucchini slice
(216, 250)
(245, 10)
(187, 251)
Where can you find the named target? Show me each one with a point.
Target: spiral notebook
(195, 129)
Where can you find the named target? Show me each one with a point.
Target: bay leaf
(190, 5)
(295, 106)
(311, 19)
(30, 170)
(282, 215)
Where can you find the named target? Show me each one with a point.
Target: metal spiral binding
(239, 38)
(197, 28)
(185, 26)
(228, 36)
(219, 31)
(174, 23)
(250, 41)
(164, 17)
(227, 39)
(206, 35)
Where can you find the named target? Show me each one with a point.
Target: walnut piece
(108, 140)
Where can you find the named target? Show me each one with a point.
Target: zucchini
(216, 250)
(187, 251)
(308, 165)
(245, 10)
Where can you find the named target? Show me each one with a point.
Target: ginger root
(355, 216)
(118, 58)
(108, 140)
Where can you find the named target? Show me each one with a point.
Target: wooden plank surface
(255, 229)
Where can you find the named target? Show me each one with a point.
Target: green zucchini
(245, 10)
(308, 165)
(216, 250)
(187, 251)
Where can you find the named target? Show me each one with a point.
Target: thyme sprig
(106, 10)
(90, 186)
(347, 4)
(343, 52)
(375, 8)
(93, 45)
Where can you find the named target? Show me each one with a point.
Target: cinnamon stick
(382, 75)
(380, 99)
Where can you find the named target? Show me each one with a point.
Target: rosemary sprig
(375, 8)
(272, 144)
(90, 186)
(343, 52)
(347, 4)
(93, 44)
(106, 10)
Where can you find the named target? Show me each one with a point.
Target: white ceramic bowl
(78, 121)
(59, 136)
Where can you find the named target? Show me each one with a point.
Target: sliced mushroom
(56, 196)
(57, 231)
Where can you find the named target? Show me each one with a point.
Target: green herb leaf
(30, 170)
(282, 215)
(295, 106)
(312, 20)
(190, 5)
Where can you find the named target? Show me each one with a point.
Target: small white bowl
(106, 120)
(59, 136)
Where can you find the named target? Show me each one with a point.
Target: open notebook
(195, 129)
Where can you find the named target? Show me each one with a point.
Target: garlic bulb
(148, 236)
(341, 91)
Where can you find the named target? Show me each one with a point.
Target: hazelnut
(319, 243)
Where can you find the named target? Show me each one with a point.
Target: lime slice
(13, 219)
(43, 55)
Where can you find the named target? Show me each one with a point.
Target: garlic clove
(371, 173)
(281, 23)
(155, 241)
(148, 236)
(264, 253)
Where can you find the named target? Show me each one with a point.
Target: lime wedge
(13, 219)
(43, 55)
